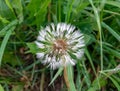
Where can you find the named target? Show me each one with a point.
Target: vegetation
(20, 22)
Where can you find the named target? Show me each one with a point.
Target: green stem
(66, 78)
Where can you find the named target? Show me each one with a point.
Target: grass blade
(3, 31)
(97, 17)
(9, 5)
(56, 75)
(113, 80)
(117, 36)
(4, 43)
(69, 8)
(113, 3)
(112, 51)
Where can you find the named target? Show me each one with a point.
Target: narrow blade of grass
(113, 80)
(86, 75)
(3, 31)
(17, 5)
(113, 3)
(56, 75)
(4, 42)
(115, 83)
(59, 10)
(93, 67)
(9, 5)
(69, 8)
(97, 17)
(112, 51)
(117, 36)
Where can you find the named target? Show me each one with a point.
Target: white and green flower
(61, 44)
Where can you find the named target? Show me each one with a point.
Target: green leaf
(95, 86)
(4, 42)
(89, 39)
(90, 60)
(4, 20)
(97, 17)
(9, 5)
(4, 30)
(112, 51)
(38, 11)
(116, 35)
(1, 88)
(113, 3)
(56, 75)
(78, 7)
(17, 5)
(68, 10)
(33, 48)
(115, 83)
(5, 11)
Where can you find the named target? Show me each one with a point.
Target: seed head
(58, 43)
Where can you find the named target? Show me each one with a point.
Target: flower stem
(42, 81)
(66, 78)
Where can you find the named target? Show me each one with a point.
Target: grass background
(20, 21)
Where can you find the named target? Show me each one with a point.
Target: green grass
(20, 21)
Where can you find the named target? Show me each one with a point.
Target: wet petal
(40, 45)
(69, 60)
(39, 55)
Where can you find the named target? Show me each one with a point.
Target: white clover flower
(60, 45)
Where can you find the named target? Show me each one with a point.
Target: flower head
(60, 44)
